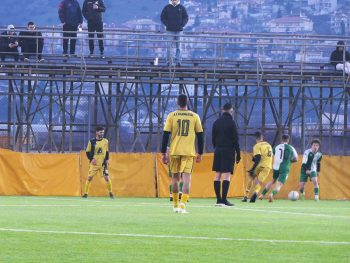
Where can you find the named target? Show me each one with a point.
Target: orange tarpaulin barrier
(39, 174)
(143, 174)
(132, 174)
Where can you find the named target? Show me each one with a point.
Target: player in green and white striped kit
(284, 156)
(311, 167)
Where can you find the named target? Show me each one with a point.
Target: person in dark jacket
(226, 145)
(340, 58)
(69, 12)
(174, 17)
(92, 11)
(9, 43)
(31, 42)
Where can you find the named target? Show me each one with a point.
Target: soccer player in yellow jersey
(262, 152)
(98, 155)
(182, 126)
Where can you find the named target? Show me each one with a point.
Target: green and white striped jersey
(310, 160)
(284, 153)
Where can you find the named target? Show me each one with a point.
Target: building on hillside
(290, 24)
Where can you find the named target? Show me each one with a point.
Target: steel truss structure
(55, 106)
(57, 109)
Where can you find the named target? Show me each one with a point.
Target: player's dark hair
(285, 137)
(258, 135)
(182, 100)
(30, 23)
(100, 128)
(316, 141)
(228, 106)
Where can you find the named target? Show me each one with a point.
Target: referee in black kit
(225, 142)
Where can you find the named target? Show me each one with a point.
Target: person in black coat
(227, 151)
(92, 11)
(174, 17)
(31, 42)
(9, 43)
(69, 12)
(340, 58)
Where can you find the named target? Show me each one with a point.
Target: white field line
(107, 200)
(320, 242)
(130, 204)
(68, 199)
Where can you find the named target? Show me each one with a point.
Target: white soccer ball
(293, 195)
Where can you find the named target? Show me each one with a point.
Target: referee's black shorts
(224, 159)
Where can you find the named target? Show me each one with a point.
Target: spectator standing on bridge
(340, 58)
(174, 17)
(9, 43)
(31, 42)
(69, 12)
(225, 142)
(92, 11)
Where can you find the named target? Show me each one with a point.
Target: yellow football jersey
(183, 126)
(99, 148)
(265, 150)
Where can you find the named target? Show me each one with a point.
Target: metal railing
(277, 87)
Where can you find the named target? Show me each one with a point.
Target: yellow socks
(176, 199)
(109, 183)
(184, 199)
(87, 187)
(257, 188)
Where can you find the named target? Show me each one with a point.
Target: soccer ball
(293, 195)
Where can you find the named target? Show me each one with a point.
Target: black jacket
(92, 15)
(225, 135)
(69, 12)
(29, 40)
(337, 57)
(174, 17)
(6, 40)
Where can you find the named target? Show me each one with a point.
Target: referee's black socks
(225, 187)
(217, 186)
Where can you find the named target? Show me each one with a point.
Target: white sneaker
(26, 59)
(317, 198)
(182, 208)
(177, 209)
(41, 60)
(183, 211)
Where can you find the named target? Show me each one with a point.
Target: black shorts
(224, 159)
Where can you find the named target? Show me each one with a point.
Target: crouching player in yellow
(262, 152)
(98, 155)
(183, 126)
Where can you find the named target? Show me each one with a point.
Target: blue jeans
(174, 37)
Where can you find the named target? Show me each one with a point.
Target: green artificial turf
(69, 229)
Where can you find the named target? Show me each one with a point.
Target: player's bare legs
(275, 191)
(301, 190)
(175, 179)
(316, 188)
(266, 189)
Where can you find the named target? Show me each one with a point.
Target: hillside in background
(44, 12)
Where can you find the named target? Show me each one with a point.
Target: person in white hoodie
(174, 17)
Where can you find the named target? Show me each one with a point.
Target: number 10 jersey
(183, 126)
